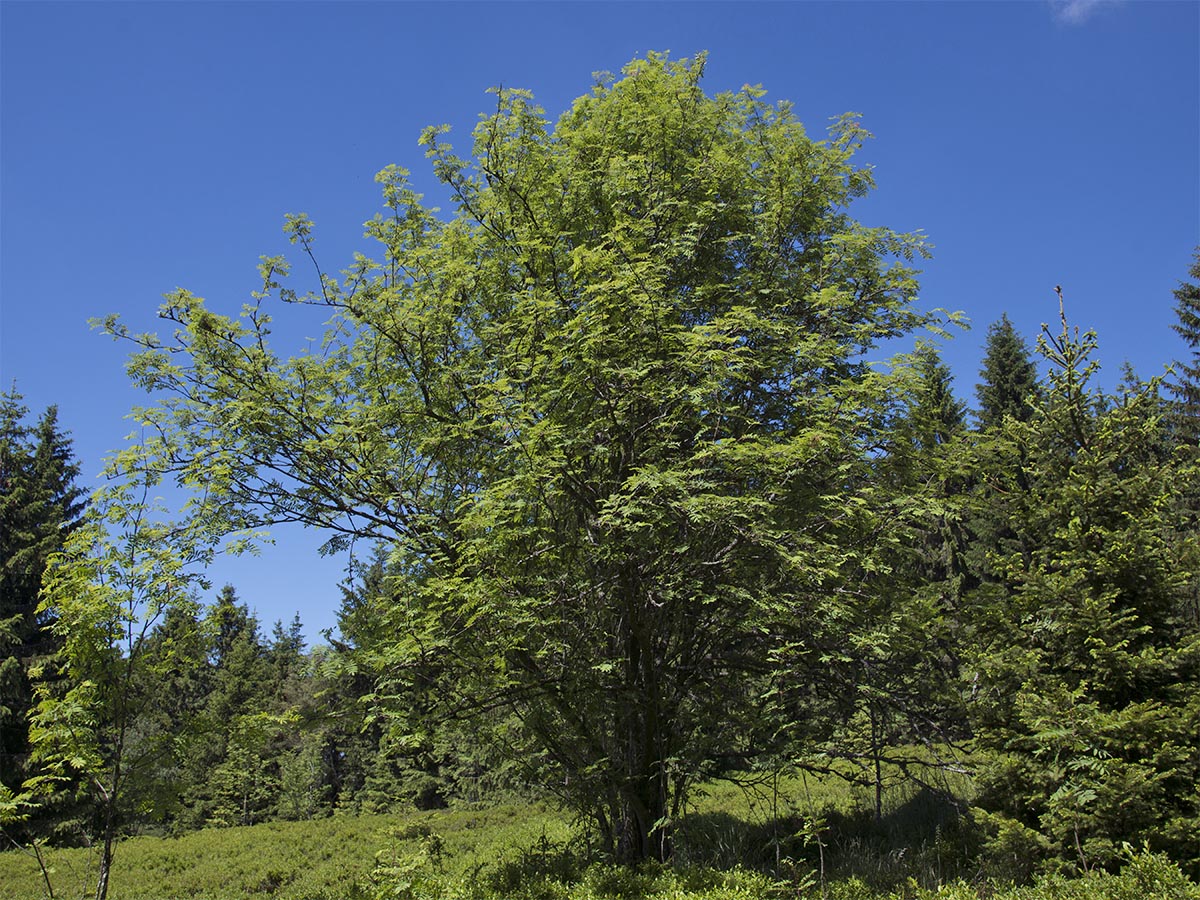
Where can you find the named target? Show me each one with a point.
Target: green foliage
(888, 666)
(39, 506)
(1086, 676)
(117, 575)
(612, 416)
(1009, 385)
(1186, 386)
(643, 515)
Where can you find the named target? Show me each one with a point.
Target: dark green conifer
(937, 415)
(39, 505)
(1083, 676)
(1185, 387)
(1009, 377)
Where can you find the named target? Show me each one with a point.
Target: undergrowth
(786, 840)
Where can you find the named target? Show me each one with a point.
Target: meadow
(793, 838)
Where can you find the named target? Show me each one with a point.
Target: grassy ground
(327, 859)
(789, 839)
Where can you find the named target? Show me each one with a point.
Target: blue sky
(149, 146)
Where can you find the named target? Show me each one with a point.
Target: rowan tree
(613, 412)
(98, 697)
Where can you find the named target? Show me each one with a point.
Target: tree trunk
(876, 751)
(109, 835)
(106, 858)
(642, 834)
(643, 790)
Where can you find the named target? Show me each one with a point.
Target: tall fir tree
(1185, 388)
(39, 505)
(17, 502)
(1082, 673)
(937, 416)
(245, 712)
(904, 671)
(1009, 377)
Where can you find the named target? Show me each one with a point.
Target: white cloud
(1076, 12)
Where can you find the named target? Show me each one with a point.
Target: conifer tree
(1009, 377)
(936, 420)
(1084, 676)
(902, 675)
(18, 499)
(285, 658)
(1186, 385)
(238, 789)
(39, 506)
(937, 416)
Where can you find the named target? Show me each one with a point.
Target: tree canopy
(612, 413)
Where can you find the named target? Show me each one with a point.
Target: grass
(326, 859)
(795, 838)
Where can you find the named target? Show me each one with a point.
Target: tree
(1086, 677)
(379, 766)
(1009, 378)
(896, 654)
(1186, 387)
(608, 414)
(18, 513)
(115, 578)
(1009, 389)
(233, 787)
(937, 415)
(285, 656)
(178, 681)
(39, 506)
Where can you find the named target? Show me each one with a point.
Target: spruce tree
(1083, 675)
(241, 786)
(937, 415)
(1009, 377)
(1185, 417)
(177, 689)
(897, 687)
(17, 500)
(39, 506)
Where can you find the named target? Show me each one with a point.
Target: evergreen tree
(901, 677)
(39, 506)
(287, 666)
(1009, 377)
(1009, 389)
(1085, 678)
(366, 770)
(55, 470)
(237, 789)
(177, 655)
(937, 416)
(934, 426)
(1186, 386)
(228, 623)
(18, 505)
